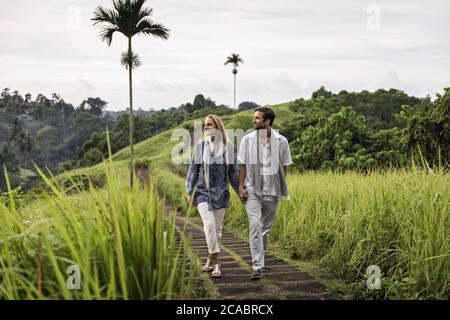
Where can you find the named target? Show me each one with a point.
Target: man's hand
(242, 193)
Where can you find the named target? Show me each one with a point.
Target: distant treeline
(56, 135)
(348, 130)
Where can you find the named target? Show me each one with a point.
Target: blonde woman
(213, 166)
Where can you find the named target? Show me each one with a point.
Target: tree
(17, 98)
(130, 18)
(94, 105)
(340, 141)
(28, 98)
(56, 98)
(8, 162)
(247, 105)
(6, 96)
(427, 128)
(322, 92)
(92, 157)
(67, 110)
(83, 124)
(199, 102)
(41, 99)
(16, 132)
(234, 59)
(142, 130)
(19, 140)
(47, 138)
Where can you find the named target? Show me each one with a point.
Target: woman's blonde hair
(220, 126)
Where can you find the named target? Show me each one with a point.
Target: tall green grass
(397, 220)
(121, 240)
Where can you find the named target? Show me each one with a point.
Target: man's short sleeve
(242, 151)
(286, 153)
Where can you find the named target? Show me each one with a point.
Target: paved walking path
(281, 282)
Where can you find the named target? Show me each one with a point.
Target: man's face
(258, 121)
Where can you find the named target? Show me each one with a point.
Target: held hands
(243, 193)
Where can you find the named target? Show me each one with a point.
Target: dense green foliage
(119, 239)
(58, 136)
(427, 129)
(365, 130)
(44, 131)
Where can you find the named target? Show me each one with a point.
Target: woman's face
(209, 125)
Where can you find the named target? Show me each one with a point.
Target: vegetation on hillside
(58, 136)
(113, 243)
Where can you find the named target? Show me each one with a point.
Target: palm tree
(235, 60)
(130, 18)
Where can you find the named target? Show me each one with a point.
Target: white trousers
(212, 225)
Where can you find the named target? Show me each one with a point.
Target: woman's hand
(243, 193)
(190, 200)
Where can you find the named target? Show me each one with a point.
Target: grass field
(343, 223)
(398, 221)
(118, 240)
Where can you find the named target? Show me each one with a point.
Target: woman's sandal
(208, 267)
(216, 271)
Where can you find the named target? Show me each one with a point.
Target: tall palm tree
(130, 18)
(234, 59)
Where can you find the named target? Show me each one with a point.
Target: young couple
(257, 173)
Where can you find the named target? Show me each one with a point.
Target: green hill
(156, 153)
(342, 222)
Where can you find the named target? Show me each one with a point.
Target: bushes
(427, 129)
(342, 141)
(323, 138)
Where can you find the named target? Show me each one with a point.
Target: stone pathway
(281, 282)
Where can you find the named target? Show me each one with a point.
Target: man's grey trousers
(261, 213)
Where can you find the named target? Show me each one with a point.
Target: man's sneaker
(256, 274)
(265, 269)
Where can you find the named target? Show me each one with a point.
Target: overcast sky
(289, 48)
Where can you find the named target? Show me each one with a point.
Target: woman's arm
(234, 176)
(232, 168)
(192, 175)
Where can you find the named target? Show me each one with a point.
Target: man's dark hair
(268, 114)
